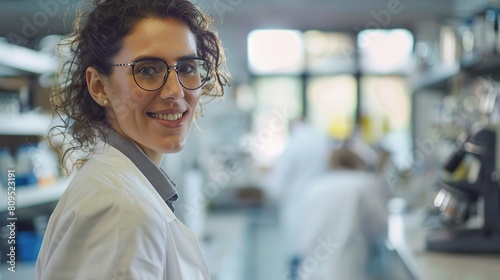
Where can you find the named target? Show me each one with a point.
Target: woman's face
(158, 121)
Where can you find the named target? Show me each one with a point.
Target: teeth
(167, 117)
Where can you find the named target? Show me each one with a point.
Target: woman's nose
(172, 88)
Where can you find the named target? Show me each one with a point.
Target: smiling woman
(138, 71)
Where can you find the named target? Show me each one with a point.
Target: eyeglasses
(150, 74)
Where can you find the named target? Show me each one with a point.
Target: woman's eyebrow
(193, 55)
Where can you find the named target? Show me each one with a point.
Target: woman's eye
(187, 69)
(150, 68)
(147, 70)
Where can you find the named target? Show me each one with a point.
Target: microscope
(458, 202)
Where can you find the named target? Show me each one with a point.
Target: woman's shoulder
(108, 157)
(109, 174)
(107, 196)
(107, 167)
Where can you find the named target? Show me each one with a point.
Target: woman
(138, 71)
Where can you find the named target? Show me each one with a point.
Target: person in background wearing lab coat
(304, 158)
(342, 216)
(137, 73)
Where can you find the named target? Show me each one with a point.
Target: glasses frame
(176, 67)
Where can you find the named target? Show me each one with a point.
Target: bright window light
(275, 51)
(332, 104)
(329, 52)
(278, 101)
(385, 51)
(386, 120)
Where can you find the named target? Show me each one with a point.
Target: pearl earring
(106, 102)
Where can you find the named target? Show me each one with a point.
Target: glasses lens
(150, 74)
(193, 73)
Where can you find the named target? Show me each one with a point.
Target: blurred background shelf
(24, 124)
(434, 77)
(483, 66)
(35, 195)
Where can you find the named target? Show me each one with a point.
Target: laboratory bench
(407, 233)
(224, 245)
(233, 247)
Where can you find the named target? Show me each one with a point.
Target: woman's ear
(95, 84)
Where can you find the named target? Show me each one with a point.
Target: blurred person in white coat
(341, 216)
(304, 158)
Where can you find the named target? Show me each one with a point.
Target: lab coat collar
(155, 175)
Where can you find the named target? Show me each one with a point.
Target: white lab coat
(305, 157)
(112, 224)
(341, 216)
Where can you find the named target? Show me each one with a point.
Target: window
(275, 52)
(329, 52)
(385, 117)
(331, 103)
(279, 100)
(385, 51)
(344, 80)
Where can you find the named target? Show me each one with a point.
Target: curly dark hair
(97, 38)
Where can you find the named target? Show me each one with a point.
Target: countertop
(223, 244)
(407, 234)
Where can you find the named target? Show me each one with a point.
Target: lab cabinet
(29, 202)
(36, 185)
(23, 130)
(35, 189)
